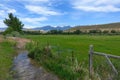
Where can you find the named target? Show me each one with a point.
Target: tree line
(76, 32)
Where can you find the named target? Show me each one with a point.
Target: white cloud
(29, 26)
(39, 0)
(33, 20)
(107, 2)
(11, 10)
(41, 10)
(33, 1)
(97, 5)
(108, 8)
(33, 26)
(4, 10)
(2, 13)
(2, 25)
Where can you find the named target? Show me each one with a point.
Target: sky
(38, 13)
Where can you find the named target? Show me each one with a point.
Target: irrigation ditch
(25, 68)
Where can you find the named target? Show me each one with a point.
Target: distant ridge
(102, 27)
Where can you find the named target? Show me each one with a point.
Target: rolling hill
(102, 27)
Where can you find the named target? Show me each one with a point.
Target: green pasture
(79, 44)
(6, 59)
(67, 48)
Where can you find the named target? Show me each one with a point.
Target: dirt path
(20, 42)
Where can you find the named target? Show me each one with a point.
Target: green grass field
(79, 44)
(6, 60)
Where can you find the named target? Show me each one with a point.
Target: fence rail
(107, 56)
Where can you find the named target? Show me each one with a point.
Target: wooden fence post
(90, 61)
(110, 63)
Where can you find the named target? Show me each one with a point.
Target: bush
(15, 34)
(77, 32)
(95, 31)
(105, 31)
(113, 31)
(12, 34)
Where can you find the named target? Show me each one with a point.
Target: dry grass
(20, 42)
(102, 27)
(1, 38)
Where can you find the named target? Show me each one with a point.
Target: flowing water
(24, 69)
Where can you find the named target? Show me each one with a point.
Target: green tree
(53, 32)
(113, 31)
(105, 31)
(95, 31)
(77, 32)
(13, 23)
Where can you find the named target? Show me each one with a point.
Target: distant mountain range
(48, 28)
(2, 29)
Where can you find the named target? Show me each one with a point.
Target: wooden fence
(107, 56)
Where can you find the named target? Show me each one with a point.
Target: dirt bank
(20, 42)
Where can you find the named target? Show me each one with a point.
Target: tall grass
(66, 67)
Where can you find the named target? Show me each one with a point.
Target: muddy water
(25, 70)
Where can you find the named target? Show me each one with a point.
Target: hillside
(102, 27)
